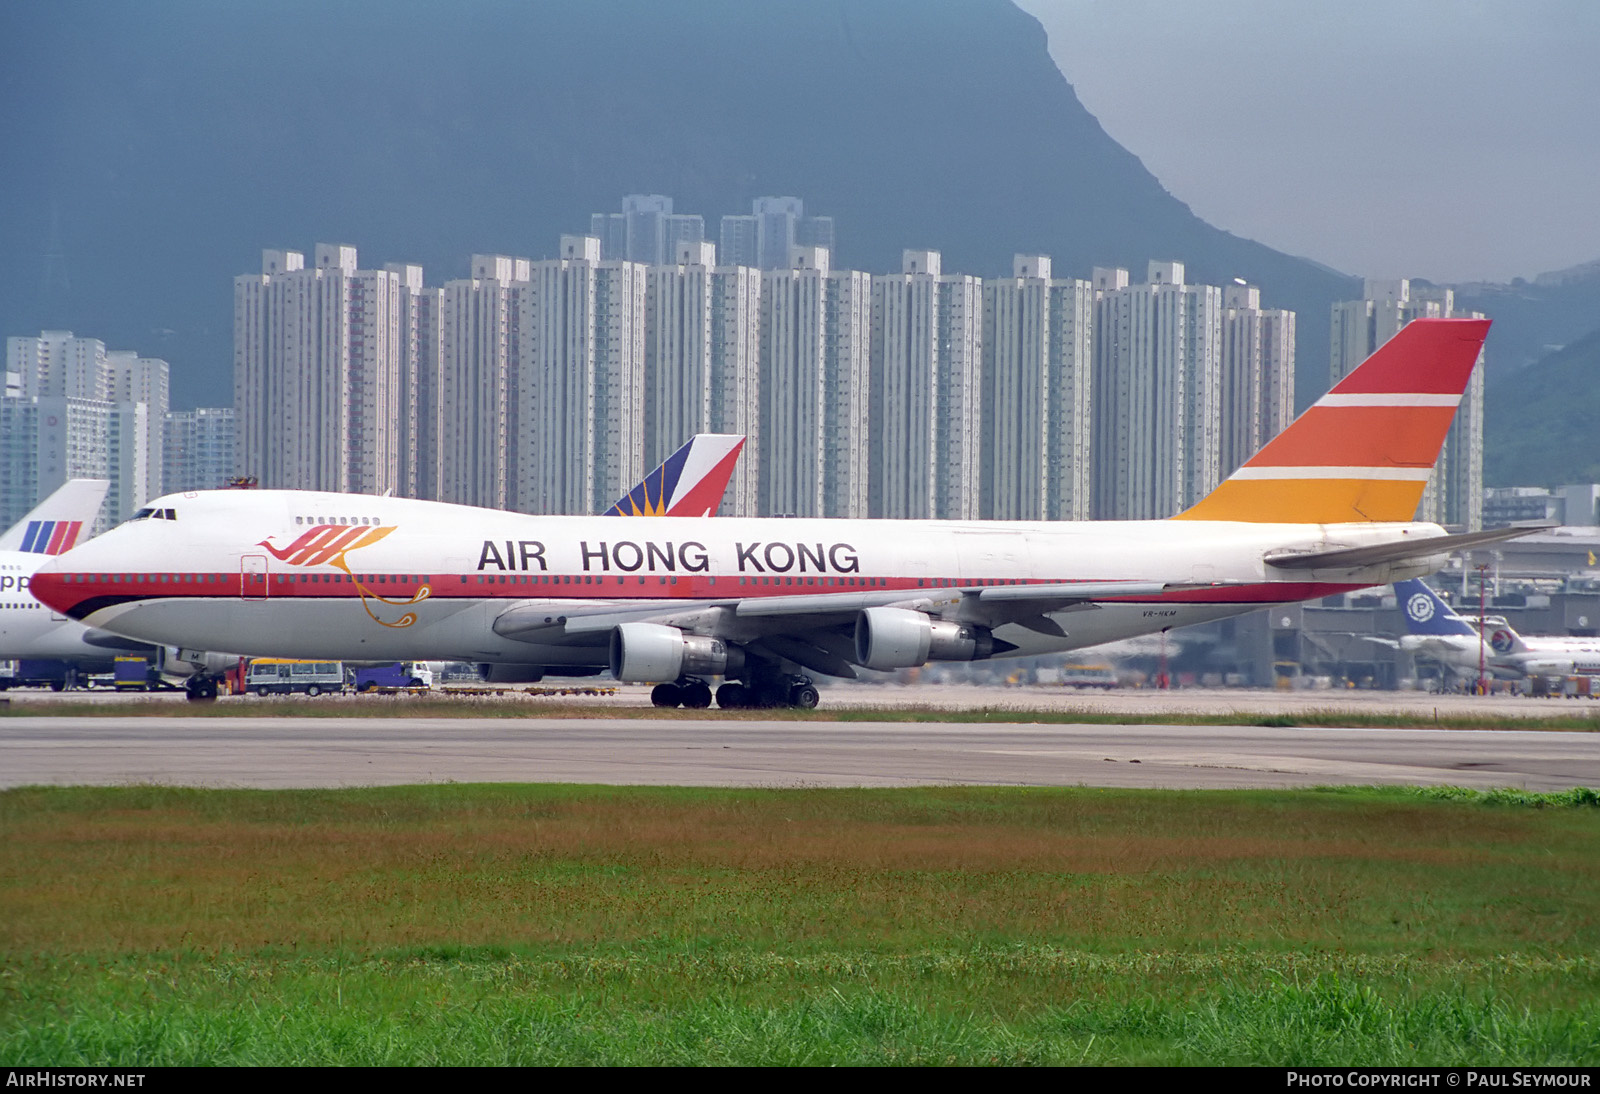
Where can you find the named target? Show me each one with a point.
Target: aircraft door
(253, 583)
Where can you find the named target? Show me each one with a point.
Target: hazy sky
(1455, 140)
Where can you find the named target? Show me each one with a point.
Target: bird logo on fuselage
(328, 544)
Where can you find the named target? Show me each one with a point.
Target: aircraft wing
(817, 630)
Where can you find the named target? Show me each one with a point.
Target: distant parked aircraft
(1437, 632)
(30, 630)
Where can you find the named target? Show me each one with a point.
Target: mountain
(153, 149)
(1540, 423)
(1534, 318)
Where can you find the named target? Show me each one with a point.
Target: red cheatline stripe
(226, 587)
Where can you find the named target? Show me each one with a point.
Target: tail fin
(690, 483)
(1426, 614)
(1364, 451)
(59, 521)
(1504, 639)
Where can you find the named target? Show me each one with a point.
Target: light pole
(1483, 683)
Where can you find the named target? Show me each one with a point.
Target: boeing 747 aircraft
(1325, 507)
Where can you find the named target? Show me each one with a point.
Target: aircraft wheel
(666, 695)
(733, 697)
(696, 696)
(804, 696)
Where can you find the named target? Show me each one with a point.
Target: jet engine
(898, 638)
(652, 653)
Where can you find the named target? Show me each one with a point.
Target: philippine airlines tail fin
(1426, 614)
(59, 521)
(689, 484)
(1364, 451)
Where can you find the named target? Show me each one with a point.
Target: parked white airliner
(1436, 631)
(30, 629)
(1325, 507)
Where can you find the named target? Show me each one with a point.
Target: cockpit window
(154, 514)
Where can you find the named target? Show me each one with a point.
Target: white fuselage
(1555, 656)
(1551, 656)
(257, 572)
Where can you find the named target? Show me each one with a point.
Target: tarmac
(614, 746)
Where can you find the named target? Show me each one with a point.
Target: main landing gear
(688, 692)
(761, 693)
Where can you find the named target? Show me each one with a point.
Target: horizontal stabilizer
(1350, 558)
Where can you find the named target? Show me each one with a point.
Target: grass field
(563, 924)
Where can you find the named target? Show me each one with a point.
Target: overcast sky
(1455, 140)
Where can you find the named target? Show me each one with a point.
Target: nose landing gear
(200, 689)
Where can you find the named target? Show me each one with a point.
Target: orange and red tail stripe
(1365, 450)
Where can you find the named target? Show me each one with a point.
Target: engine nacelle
(649, 653)
(898, 638)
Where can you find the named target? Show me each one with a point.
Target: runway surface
(271, 752)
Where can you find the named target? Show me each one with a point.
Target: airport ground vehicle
(284, 676)
(1089, 676)
(42, 673)
(396, 674)
(134, 673)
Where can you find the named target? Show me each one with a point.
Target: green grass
(1585, 720)
(563, 924)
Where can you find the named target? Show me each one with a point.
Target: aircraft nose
(50, 588)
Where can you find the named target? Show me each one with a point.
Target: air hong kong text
(670, 556)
